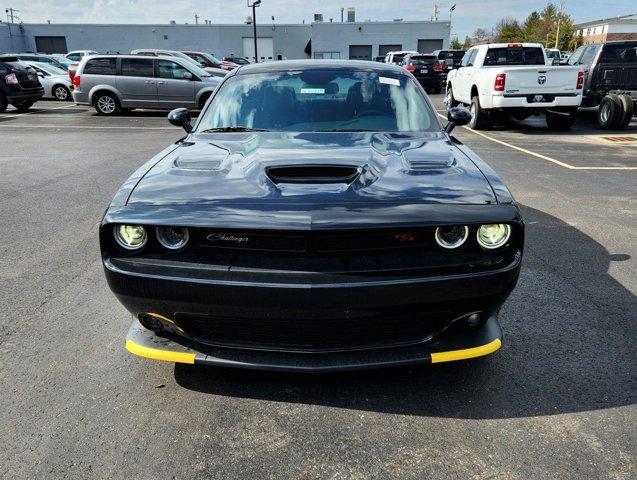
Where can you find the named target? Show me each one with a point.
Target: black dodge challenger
(317, 217)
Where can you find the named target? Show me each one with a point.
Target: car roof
(311, 64)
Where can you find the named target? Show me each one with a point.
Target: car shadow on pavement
(569, 346)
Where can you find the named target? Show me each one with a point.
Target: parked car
(77, 55)
(237, 60)
(380, 59)
(65, 62)
(217, 72)
(428, 70)
(514, 79)
(317, 217)
(19, 84)
(553, 55)
(611, 80)
(207, 60)
(40, 58)
(54, 80)
(451, 58)
(111, 83)
(397, 57)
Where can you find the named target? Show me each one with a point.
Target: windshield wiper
(347, 130)
(235, 129)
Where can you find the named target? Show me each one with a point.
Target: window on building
(327, 55)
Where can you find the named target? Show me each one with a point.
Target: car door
(462, 88)
(137, 83)
(175, 85)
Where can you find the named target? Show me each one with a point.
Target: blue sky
(468, 15)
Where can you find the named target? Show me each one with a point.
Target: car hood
(261, 168)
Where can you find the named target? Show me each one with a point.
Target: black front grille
(375, 329)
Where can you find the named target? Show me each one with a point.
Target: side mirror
(188, 76)
(457, 116)
(180, 117)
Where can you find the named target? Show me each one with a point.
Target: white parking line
(543, 157)
(86, 127)
(31, 112)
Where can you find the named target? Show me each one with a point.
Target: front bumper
(448, 347)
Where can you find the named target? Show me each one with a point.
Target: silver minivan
(112, 83)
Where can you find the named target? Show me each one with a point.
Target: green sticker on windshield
(313, 91)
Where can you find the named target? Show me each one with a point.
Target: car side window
(619, 54)
(168, 69)
(137, 67)
(589, 55)
(101, 66)
(75, 57)
(472, 57)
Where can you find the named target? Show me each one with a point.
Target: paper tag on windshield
(389, 81)
(313, 91)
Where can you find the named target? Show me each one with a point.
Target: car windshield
(320, 100)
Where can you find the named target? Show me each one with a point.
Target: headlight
(494, 235)
(451, 237)
(130, 237)
(173, 238)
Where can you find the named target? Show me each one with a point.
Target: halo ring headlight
(452, 237)
(130, 237)
(173, 238)
(494, 235)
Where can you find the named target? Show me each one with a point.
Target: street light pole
(254, 5)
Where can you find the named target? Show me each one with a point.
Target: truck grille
(375, 329)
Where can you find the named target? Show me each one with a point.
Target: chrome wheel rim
(448, 97)
(106, 104)
(60, 93)
(605, 113)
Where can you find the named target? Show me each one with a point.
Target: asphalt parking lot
(557, 401)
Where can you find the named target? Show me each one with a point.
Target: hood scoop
(313, 174)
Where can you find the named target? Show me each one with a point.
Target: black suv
(611, 80)
(429, 72)
(19, 84)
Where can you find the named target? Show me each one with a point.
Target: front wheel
(106, 104)
(480, 119)
(560, 120)
(61, 93)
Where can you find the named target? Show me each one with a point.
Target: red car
(208, 60)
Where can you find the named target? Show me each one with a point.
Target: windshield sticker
(389, 81)
(313, 91)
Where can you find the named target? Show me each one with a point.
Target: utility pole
(11, 17)
(196, 19)
(559, 19)
(436, 12)
(254, 5)
(342, 10)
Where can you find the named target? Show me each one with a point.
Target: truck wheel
(23, 106)
(628, 110)
(560, 120)
(480, 119)
(106, 103)
(610, 112)
(450, 101)
(3, 103)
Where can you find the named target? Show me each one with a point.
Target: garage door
(265, 48)
(428, 46)
(50, 44)
(360, 52)
(385, 49)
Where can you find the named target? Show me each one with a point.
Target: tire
(3, 103)
(560, 120)
(23, 106)
(480, 119)
(449, 99)
(61, 93)
(628, 110)
(106, 104)
(610, 112)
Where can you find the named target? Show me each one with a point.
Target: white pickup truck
(516, 79)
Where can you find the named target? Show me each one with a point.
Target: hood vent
(313, 174)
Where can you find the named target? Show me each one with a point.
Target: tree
(531, 27)
(508, 30)
(466, 45)
(455, 44)
(481, 35)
